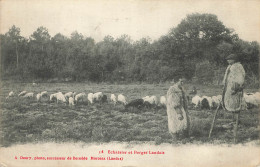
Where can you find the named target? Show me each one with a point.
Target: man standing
(233, 88)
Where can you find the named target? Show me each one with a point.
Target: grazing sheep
(52, 96)
(10, 94)
(70, 94)
(196, 100)
(113, 98)
(60, 97)
(216, 100)
(206, 102)
(152, 100)
(163, 101)
(79, 97)
(22, 93)
(71, 101)
(34, 84)
(91, 98)
(137, 103)
(104, 99)
(97, 97)
(257, 97)
(121, 98)
(44, 93)
(28, 95)
(38, 96)
(250, 100)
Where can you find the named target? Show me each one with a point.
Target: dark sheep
(104, 99)
(204, 104)
(137, 103)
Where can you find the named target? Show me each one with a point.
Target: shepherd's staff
(213, 122)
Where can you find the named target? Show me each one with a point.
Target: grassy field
(26, 121)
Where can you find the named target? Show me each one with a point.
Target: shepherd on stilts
(233, 100)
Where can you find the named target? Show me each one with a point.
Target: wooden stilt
(213, 122)
(236, 127)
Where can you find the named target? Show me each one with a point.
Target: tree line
(195, 49)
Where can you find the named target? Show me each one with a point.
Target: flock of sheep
(71, 98)
(206, 102)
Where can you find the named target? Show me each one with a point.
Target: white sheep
(71, 101)
(163, 101)
(121, 98)
(216, 100)
(44, 93)
(250, 99)
(52, 96)
(154, 100)
(22, 93)
(70, 94)
(196, 101)
(38, 96)
(79, 96)
(97, 96)
(90, 98)
(28, 95)
(151, 99)
(257, 97)
(113, 98)
(60, 97)
(10, 94)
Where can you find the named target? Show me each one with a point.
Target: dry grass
(26, 121)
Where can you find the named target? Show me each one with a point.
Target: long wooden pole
(236, 127)
(213, 122)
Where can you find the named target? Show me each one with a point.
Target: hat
(232, 57)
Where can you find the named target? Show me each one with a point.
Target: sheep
(71, 101)
(196, 100)
(163, 101)
(257, 97)
(58, 96)
(216, 100)
(206, 102)
(138, 103)
(97, 97)
(28, 95)
(152, 100)
(38, 96)
(113, 99)
(79, 97)
(70, 94)
(22, 93)
(121, 98)
(44, 93)
(250, 100)
(90, 97)
(104, 99)
(10, 94)
(52, 96)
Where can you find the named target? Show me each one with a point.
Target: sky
(136, 18)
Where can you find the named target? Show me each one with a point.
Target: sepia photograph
(129, 83)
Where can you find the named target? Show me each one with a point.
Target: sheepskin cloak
(233, 87)
(176, 104)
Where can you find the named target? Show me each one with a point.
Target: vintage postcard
(129, 83)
